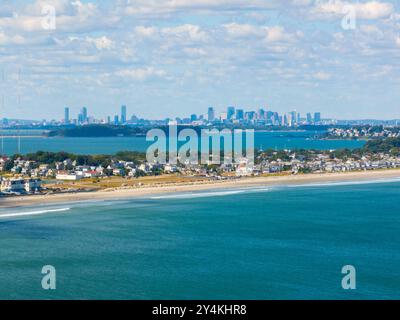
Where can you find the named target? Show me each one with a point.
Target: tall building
(83, 116)
(123, 114)
(66, 115)
(309, 118)
(276, 120)
(211, 114)
(230, 113)
(293, 118)
(193, 118)
(269, 116)
(250, 116)
(290, 119)
(317, 117)
(261, 114)
(239, 114)
(116, 120)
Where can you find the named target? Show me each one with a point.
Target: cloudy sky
(167, 58)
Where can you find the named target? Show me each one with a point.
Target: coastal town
(45, 172)
(364, 132)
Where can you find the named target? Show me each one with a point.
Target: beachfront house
(13, 185)
(33, 185)
(244, 168)
(19, 185)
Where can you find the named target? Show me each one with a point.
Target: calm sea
(264, 243)
(263, 140)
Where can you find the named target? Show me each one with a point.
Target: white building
(68, 176)
(20, 185)
(13, 185)
(33, 185)
(244, 168)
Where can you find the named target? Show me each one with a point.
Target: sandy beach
(126, 193)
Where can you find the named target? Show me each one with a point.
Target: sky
(177, 57)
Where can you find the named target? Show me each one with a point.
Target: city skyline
(123, 116)
(217, 111)
(174, 58)
(232, 114)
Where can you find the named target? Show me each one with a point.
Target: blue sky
(176, 57)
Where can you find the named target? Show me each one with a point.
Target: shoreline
(123, 193)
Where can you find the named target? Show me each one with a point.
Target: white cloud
(243, 30)
(269, 34)
(70, 16)
(141, 73)
(101, 43)
(162, 7)
(337, 8)
(195, 52)
(180, 35)
(8, 40)
(146, 32)
(186, 31)
(321, 75)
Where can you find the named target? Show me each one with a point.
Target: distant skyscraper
(250, 116)
(108, 120)
(230, 112)
(123, 114)
(261, 114)
(292, 119)
(116, 120)
(66, 115)
(276, 120)
(309, 118)
(269, 116)
(211, 114)
(193, 117)
(84, 115)
(239, 114)
(317, 117)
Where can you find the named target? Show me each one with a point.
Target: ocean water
(111, 145)
(283, 242)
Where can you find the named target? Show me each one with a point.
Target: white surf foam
(273, 188)
(213, 193)
(199, 195)
(32, 213)
(344, 183)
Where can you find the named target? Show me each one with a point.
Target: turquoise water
(267, 243)
(264, 140)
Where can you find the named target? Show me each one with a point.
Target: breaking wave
(32, 213)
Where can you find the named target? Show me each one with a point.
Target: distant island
(98, 131)
(105, 130)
